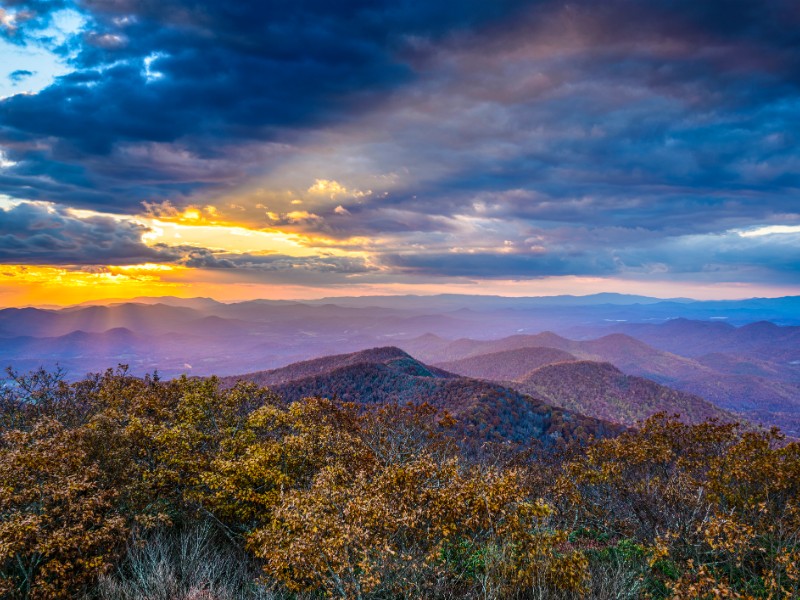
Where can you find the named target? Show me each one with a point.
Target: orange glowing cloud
(23, 284)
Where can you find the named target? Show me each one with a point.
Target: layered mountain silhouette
(759, 340)
(511, 365)
(724, 352)
(392, 358)
(621, 350)
(600, 390)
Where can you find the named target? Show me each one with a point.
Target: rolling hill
(626, 353)
(732, 358)
(389, 356)
(757, 398)
(601, 390)
(759, 340)
(597, 389)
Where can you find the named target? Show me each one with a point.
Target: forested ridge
(484, 411)
(124, 487)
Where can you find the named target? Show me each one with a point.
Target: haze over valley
(613, 357)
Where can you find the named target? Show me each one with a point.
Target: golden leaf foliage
(82, 465)
(408, 515)
(720, 509)
(60, 526)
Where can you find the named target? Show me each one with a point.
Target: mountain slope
(760, 340)
(594, 388)
(505, 365)
(140, 318)
(746, 386)
(393, 357)
(626, 353)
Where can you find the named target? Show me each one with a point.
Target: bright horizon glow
(201, 227)
(22, 286)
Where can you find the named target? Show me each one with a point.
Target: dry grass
(194, 564)
(198, 564)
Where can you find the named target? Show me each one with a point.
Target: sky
(302, 149)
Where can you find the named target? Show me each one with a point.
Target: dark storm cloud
(39, 234)
(207, 75)
(35, 233)
(639, 118)
(500, 265)
(731, 256)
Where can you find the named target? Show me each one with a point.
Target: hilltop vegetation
(484, 411)
(119, 487)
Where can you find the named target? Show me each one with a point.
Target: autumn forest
(119, 487)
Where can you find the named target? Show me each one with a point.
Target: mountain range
(709, 358)
(761, 391)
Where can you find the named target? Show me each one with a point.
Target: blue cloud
(42, 234)
(20, 75)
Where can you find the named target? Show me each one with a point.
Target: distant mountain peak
(585, 367)
(622, 340)
(760, 326)
(382, 353)
(506, 364)
(429, 337)
(601, 390)
(484, 411)
(390, 356)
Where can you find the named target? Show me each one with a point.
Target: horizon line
(332, 299)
